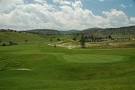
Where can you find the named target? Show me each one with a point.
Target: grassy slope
(53, 69)
(32, 38)
(20, 37)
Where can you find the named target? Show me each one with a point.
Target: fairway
(88, 58)
(41, 67)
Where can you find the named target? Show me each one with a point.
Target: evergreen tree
(82, 41)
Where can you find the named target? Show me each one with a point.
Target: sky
(66, 14)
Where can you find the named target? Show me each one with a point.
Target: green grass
(62, 69)
(89, 58)
(20, 37)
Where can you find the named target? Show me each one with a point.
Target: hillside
(70, 32)
(122, 31)
(52, 32)
(19, 37)
(118, 32)
(44, 31)
(43, 35)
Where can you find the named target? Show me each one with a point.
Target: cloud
(116, 18)
(66, 2)
(126, 6)
(101, 0)
(62, 15)
(132, 19)
(123, 6)
(8, 5)
(40, 1)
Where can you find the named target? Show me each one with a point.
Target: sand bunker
(23, 69)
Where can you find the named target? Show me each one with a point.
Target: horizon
(66, 15)
(68, 30)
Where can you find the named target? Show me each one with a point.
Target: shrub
(12, 43)
(74, 38)
(58, 39)
(26, 41)
(3, 44)
(51, 39)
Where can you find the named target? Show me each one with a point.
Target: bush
(12, 43)
(58, 39)
(3, 44)
(74, 39)
(26, 41)
(51, 39)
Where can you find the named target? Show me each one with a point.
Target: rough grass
(62, 69)
(21, 37)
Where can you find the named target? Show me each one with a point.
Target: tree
(26, 41)
(110, 37)
(82, 41)
(3, 44)
(12, 43)
(58, 39)
(74, 38)
(51, 39)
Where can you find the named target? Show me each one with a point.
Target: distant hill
(69, 32)
(44, 31)
(111, 31)
(99, 31)
(127, 31)
(52, 32)
(19, 37)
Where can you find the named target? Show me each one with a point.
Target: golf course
(42, 67)
(67, 44)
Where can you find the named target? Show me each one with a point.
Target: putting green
(88, 58)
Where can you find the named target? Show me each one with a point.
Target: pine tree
(82, 41)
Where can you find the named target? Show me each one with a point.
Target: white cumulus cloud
(62, 15)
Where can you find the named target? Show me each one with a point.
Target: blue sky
(97, 6)
(66, 14)
(128, 6)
